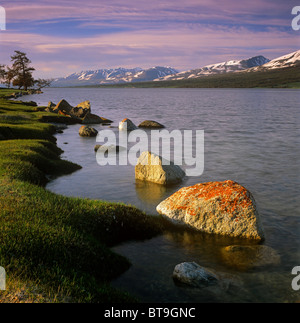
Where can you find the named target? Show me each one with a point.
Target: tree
(9, 75)
(2, 73)
(22, 71)
(41, 83)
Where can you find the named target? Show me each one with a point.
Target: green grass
(56, 248)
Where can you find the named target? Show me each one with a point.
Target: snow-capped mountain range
(114, 76)
(219, 68)
(289, 60)
(159, 73)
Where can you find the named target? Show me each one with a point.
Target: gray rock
(192, 274)
(216, 283)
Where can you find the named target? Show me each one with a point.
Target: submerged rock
(248, 257)
(192, 274)
(86, 131)
(127, 124)
(151, 124)
(153, 168)
(225, 208)
(215, 282)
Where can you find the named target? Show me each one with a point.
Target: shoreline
(56, 248)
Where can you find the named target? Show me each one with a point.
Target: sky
(62, 36)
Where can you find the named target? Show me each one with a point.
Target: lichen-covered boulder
(224, 208)
(153, 168)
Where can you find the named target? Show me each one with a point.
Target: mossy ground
(56, 248)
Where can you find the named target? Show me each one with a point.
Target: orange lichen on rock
(229, 195)
(215, 207)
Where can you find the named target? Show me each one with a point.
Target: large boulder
(50, 106)
(245, 257)
(81, 110)
(86, 131)
(86, 105)
(224, 208)
(153, 168)
(94, 119)
(127, 124)
(150, 124)
(63, 106)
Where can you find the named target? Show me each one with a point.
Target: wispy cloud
(110, 33)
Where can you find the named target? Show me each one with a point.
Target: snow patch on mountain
(218, 68)
(289, 60)
(114, 76)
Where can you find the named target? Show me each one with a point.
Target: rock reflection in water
(150, 193)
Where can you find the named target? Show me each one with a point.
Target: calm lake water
(251, 136)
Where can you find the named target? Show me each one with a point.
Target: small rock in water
(86, 131)
(151, 124)
(192, 274)
(127, 125)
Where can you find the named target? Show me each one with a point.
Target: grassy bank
(55, 248)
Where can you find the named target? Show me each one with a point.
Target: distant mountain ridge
(114, 76)
(219, 68)
(289, 60)
(159, 73)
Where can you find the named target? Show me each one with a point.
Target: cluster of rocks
(127, 125)
(80, 114)
(223, 208)
(239, 257)
(17, 95)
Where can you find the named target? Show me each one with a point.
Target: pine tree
(21, 70)
(2, 73)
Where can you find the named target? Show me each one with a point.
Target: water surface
(251, 136)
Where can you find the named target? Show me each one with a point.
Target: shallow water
(251, 136)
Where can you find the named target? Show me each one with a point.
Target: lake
(251, 137)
